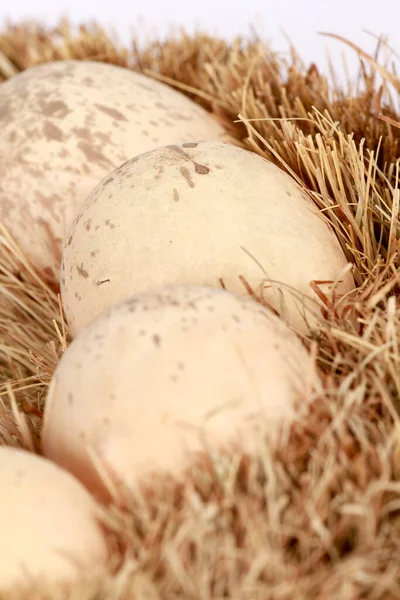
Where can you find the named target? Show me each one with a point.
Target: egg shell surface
(48, 523)
(149, 378)
(199, 214)
(63, 126)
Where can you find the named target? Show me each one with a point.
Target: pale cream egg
(204, 213)
(63, 126)
(49, 527)
(165, 374)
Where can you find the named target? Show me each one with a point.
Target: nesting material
(316, 517)
(159, 375)
(49, 527)
(203, 213)
(63, 126)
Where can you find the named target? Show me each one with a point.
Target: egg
(199, 214)
(48, 523)
(63, 126)
(163, 372)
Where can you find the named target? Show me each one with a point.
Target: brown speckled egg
(199, 214)
(49, 527)
(160, 374)
(65, 125)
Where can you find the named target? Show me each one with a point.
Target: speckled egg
(63, 126)
(199, 214)
(49, 527)
(159, 375)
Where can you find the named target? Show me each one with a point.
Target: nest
(318, 515)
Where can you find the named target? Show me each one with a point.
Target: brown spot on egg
(201, 169)
(106, 139)
(179, 151)
(190, 145)
(48, 203)
(92, 154)
(51, 132)
(148, 88)
(176, 195)
(82, 132)
(55, 108)
(160, 171)
(185, 172)
(82, 272)
(182, 117)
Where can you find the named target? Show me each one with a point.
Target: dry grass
(317, 517)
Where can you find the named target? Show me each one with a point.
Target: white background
(300, 19)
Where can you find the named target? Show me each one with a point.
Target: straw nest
(317, 517)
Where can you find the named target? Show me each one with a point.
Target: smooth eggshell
(63, 126)
(48, 524)
(141, 386)
(196, 214)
